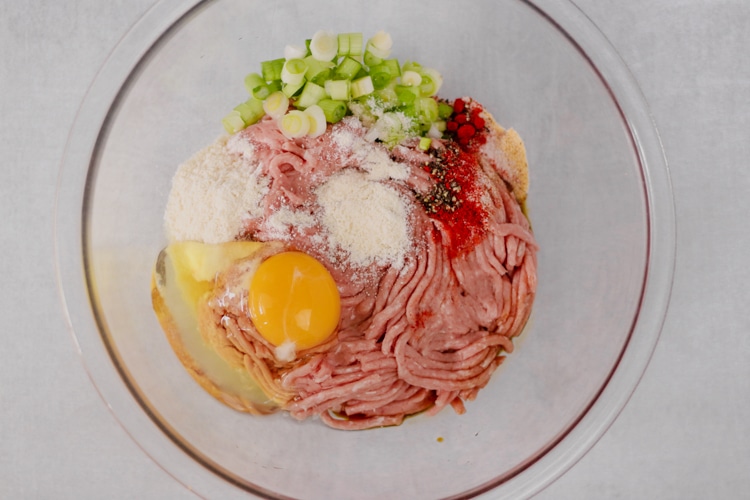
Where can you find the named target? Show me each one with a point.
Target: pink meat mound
(413, 338)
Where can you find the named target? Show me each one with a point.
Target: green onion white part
(317, 121)
(276, 105)
(411, 78)
(295, 52)
(324, 45)
(294, 124)
(293, 71)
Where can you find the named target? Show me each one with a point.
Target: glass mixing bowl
(600, 203)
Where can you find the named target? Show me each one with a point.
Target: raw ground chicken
(436, 276)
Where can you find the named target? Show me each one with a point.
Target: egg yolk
(293, 298)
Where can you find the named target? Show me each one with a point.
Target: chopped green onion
(322, 77)
(333, 75)
(411, 78)
(338, 90)
(381, 76)
(334, 110)
(343, 45)
(371, 59)
(361, 73)
(411, 110)
(431, 81)
(233, 122)
(262, 91)
(317, 120)
(324, 45)
(310, 95)
(428, 109)
(380, 45)
(276, 104)
(445, 110)
(251, 110)
(271, 70)
(295, 52)
(294, 124)
(253, 81)
(427, 87)
(406, 95)
(393, 67)
(315, 67)
(275, 85)
(387, 95)
(436, 129)
(293, 71)
(382, 40)
(291, 90)
(362, 86)
(412, 66)
(355, 44)
(347, 69)
(350, 44)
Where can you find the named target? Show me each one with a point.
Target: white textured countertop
(684, 434)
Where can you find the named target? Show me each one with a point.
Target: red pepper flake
(454, 200)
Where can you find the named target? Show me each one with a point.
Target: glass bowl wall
(600, 204)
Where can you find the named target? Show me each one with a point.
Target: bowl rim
(156, 439)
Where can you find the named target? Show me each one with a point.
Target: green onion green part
(445, 110)
(347, 69)
(406, 95)
(315, 67)
(338, 90)
(250, 111)
(334, 110)
(253, 81)
(290, 90)
(371, 59)
(311, 94)
(362, 86)
(355, 44)
(428, 110)
(343, 39)
(271, 70)
(233, 122)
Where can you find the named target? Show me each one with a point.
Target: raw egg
(292, 298)
(184, 277)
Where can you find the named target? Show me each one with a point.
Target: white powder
(212, 193)
(365, 218)
(217, 189)
(280, 223)
(371, 158)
